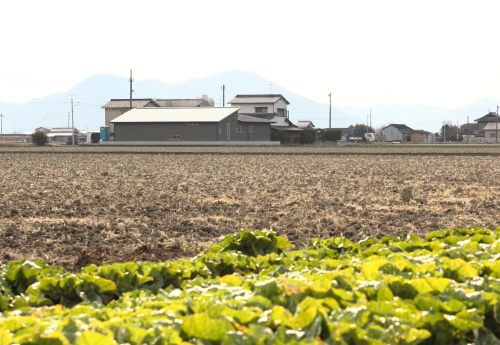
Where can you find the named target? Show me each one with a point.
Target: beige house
(491, 129)
(117, 107)
(420, 136)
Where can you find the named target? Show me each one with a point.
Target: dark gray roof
(401, 127)
(258, 98)
(285, 128)
(267, 116)
(305, 124)
(253, 119)
(490, 117)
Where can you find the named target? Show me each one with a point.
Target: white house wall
(392, 134)
(279, 105)
(271, 108)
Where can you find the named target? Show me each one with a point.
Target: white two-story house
(261, 104)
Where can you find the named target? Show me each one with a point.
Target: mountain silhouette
(92, 93)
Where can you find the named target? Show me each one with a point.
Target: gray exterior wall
(391, 133)
(200, 131)
(177, 131)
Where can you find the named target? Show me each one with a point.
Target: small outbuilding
(421, 136)
(396, 132)
(199, 124)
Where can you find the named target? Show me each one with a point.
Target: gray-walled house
(118, 107)
(396, 132)
(200, 124)
(272, 107)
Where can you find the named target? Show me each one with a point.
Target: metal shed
(205, 124)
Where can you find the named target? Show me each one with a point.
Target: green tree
(39, 138)
(359, 130)
(450, 132)
(308, 136)
(468, 129)
(331, 135)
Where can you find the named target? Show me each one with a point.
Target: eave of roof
(253, 119)
(487, 117)
(267, 116)
(258, 98)
(401, 127)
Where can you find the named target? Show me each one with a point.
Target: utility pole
(68, 119)
(330, 121)
(496, 129)
(131, 80)
(1, 127)
(370, 117)
(223, 95)
(468, 134)
(72, 125)
(444, 131)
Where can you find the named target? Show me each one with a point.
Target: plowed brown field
(77, 206)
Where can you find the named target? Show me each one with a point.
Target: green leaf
(94, 338)
(280, 316)
(485, 337)
(305, 318)
(201, 326)
(438, 284)
(5, 337)
(384, 294)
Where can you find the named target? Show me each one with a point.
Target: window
(250, 129)
(220, 130)
(239, 129)
(174, 137)
(281, 112)
(261, 110)
(492, 135)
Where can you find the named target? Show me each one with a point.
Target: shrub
(277, 136)
(39, 138)
(308, 136)
(95, 137)
(331, 135)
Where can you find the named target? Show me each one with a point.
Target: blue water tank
(104, 133)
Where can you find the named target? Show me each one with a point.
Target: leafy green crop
(443, 289)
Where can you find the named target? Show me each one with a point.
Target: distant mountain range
(92, 93)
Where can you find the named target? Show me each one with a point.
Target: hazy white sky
(365, 52)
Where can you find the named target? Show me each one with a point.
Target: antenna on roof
(271, 88)
(131, 80)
